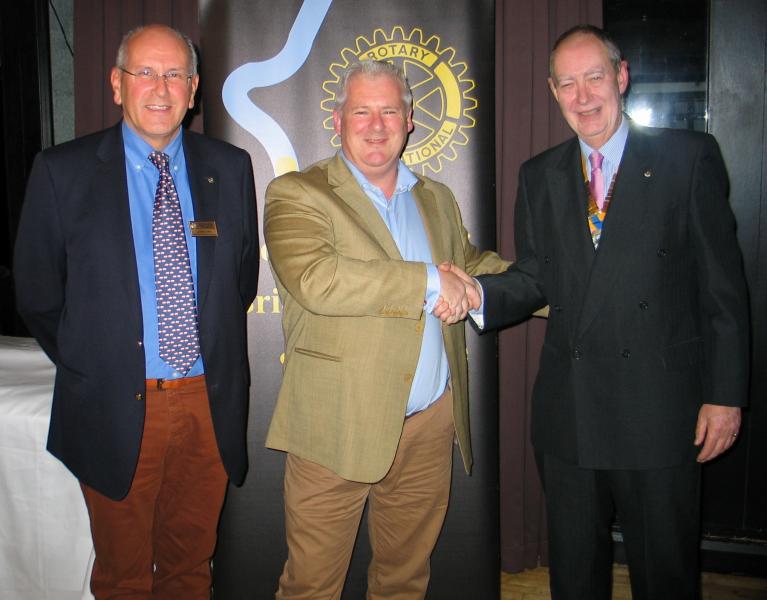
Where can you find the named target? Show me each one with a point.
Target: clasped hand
(459, 293)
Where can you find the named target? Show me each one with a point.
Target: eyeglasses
(148, 75)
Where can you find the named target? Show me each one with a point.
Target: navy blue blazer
(77, 290)
(644, 330)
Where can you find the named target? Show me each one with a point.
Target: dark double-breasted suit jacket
(643, 330)
(78, 292)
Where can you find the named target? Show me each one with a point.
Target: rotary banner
(270, 76)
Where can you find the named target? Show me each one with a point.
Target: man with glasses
(136, 260)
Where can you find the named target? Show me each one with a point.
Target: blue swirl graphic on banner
(270, 72)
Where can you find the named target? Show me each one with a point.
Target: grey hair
(613, 52)
(373, 68)
(121, 62)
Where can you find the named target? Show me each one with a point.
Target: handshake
(459, 293)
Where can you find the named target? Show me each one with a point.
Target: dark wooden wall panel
(735, 487)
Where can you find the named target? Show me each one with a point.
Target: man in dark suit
(646, 347)
(136, 260)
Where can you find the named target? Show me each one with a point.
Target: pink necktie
(597, 183)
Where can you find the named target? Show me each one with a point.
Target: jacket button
(626, 354)
(662, 252)
(547, 259)
(139, 396)
(577, 354)
(140, 344)
(643, 305)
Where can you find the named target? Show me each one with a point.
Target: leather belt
(165, 384)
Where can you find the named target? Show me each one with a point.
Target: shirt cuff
(478, 315)
(433, 287)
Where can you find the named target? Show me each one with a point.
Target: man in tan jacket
(375, 385)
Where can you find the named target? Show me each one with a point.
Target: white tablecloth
(46, 551)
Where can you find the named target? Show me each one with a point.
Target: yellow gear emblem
(442, 101)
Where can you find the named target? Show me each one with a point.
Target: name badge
(203, 228)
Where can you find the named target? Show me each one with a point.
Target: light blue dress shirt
(401, 215)
(142, 183)
(612, 151)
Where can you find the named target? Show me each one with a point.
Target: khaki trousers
(157, 541)
(405, 515)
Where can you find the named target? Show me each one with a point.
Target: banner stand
(269, 77)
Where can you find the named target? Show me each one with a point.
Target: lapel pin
(212, 180)
(648, 173)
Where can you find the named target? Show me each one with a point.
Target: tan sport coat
(353, 317)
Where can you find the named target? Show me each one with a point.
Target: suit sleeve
(515, 294)
(476, 262)
(303, 252)
(40, 271)
(249, 261)
(721, 282)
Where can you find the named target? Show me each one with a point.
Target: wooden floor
(534, 585)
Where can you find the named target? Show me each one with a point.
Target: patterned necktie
(597, 213)
(597, 182)
(176, 310)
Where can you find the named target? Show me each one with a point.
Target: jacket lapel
(347, 189)
(568, 199)
(110, 184)
(432, 222)
(623, 224)
(204, 184)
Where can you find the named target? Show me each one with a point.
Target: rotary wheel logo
(442, 101)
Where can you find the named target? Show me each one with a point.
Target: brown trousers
(405, 515)
(157, 541)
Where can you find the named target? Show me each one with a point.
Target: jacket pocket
(315, 354)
